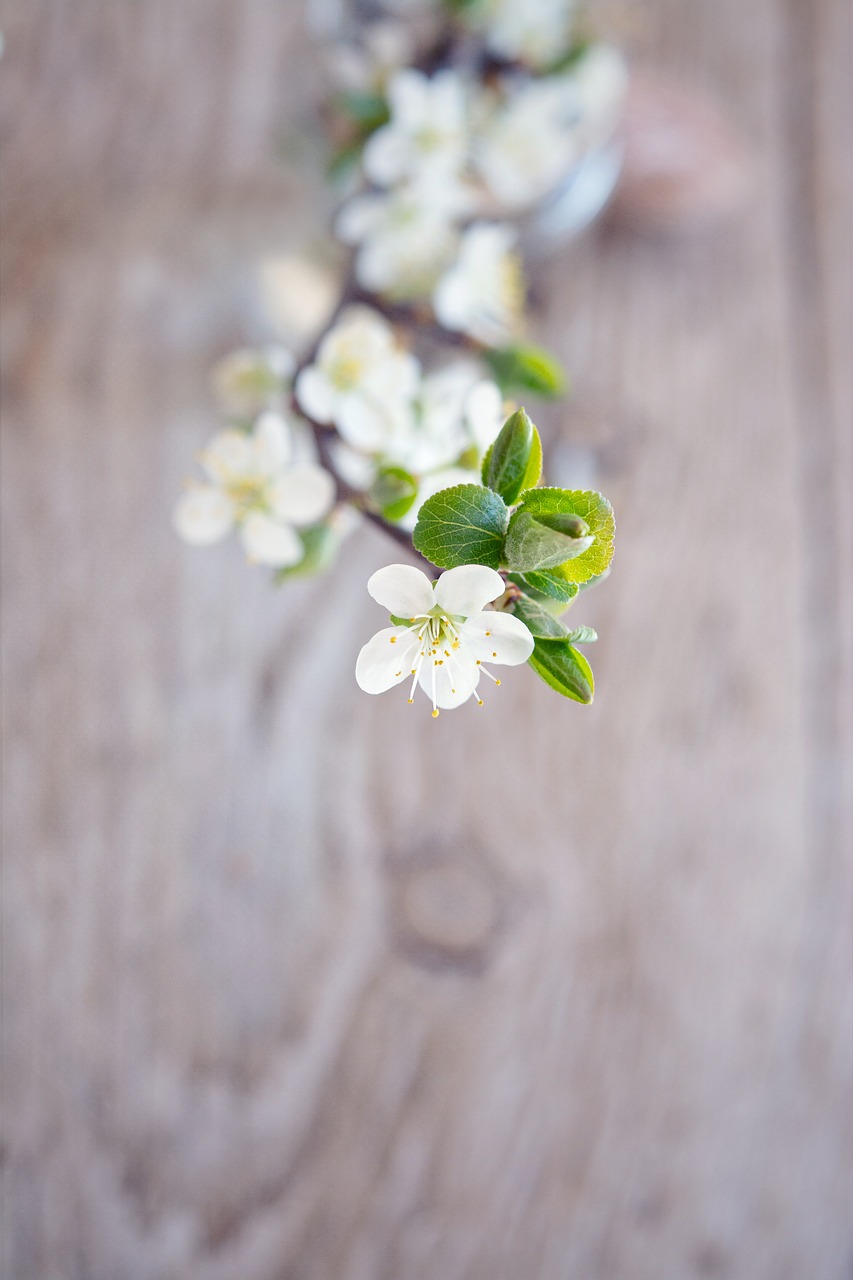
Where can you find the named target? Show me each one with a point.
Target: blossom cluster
(462, 156)
(459, 143)
(388, 413)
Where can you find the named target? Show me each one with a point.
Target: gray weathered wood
(300, 985)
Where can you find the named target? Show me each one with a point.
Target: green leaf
(582, 635)
(370, 110)
(527, 368)
(593, 582)
(546, 586)
(393, 492)
(321, 546)
(344, 160)
(510, 457)
(533, 473)
(569, 60)
(564, 669)
(538, 619)
(566, 522)
(530, 545)
(462, 525)
(594, 510)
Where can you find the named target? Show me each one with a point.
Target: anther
(480, 702)
(434, 712)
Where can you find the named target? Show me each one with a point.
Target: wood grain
(300, 985)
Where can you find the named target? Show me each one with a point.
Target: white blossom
(406, 238)
(246, 381)
(298, 295)
(366, 65)
(534, 31)
(600, 80)
(455, 410)
(450, 638)
(361, 381)
(529, 144)
(427, 135)
(254, 486)
(483, 292)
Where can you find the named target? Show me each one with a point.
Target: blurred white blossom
(361, 381)
(600, 80)
(530, 142)
(253, 485)
(366, 66)
(298, 295)
(247, 381)
(482, 294)
(405, 238)
(538, 32)
(427, 135)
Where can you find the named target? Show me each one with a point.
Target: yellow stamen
(434, 712)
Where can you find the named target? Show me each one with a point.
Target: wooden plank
(299, 983)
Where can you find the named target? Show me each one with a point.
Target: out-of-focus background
(299, 984)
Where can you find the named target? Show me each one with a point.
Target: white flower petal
(315, 394)
(450, 684)
(468, 589)
(386, 156)
(359, 217)
(230, 455)
(361, 422)
(273, 441)
(452, 300)
(267, 542)
(203, 515)
(485, 413)
(496, 637)
(386, 659)
(402, 589)
(356, 469)
(302, 495)
(408, 94)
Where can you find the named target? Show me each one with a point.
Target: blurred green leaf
(527, 368)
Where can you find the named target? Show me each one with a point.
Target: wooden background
(300, 985)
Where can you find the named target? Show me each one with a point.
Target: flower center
(346, 372)
(438, 634)
(247, 494)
